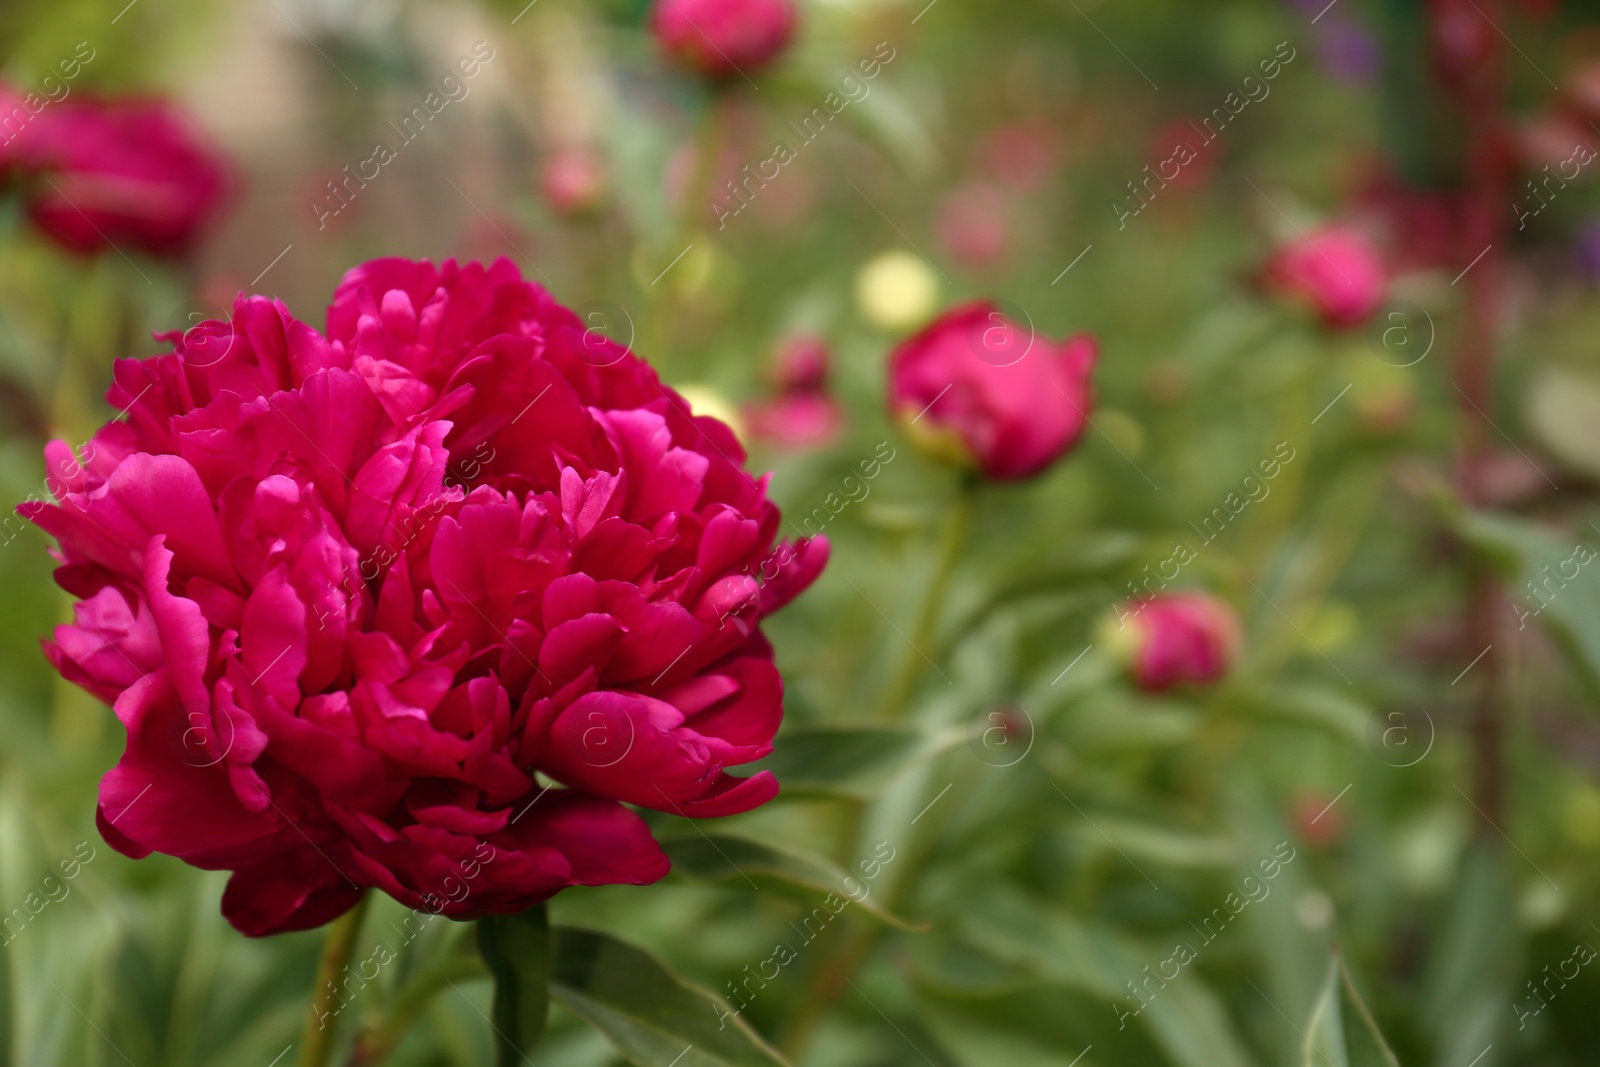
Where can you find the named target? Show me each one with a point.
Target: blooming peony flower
(348, 591)
(1176, 638)
(723, 37)
(1335, 269)
(977, 388)
(108, 173)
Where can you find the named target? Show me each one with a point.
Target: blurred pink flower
(573, 181)
(1023, 155)
(347, 600)
(977, 388)
(99, 173)
(720, 38)
(804, 413)
(1180, 638)
(1335, 269)
(974, 224)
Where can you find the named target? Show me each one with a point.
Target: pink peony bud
(722, 38)
(1176, 638)
(1335, 269)
(804, 413)
(351, 592)
(573, 181)
(108, 173)
(978, 389)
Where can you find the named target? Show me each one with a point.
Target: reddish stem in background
(1470, 58)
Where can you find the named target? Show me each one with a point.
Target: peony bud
(980, 390)
(804, 413)
(720, 38)
(1335, 269)
(573, 181)
(1175, 638)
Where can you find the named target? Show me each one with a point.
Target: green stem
(957, 526)
(669, 295)
(379, 1038)
(336, 950)
(830, 979)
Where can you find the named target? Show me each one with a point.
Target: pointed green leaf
(731, 858)
(651, 1016)
(837, 761)
(1342, 1032)
(517, 951)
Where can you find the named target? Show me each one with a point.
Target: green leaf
(837, 761)
(517, 951)
(651, 1016)
(731, 858)
(1186, 1020)
(1342, 1032)
(1553, 581)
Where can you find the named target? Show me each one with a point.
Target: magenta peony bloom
(723, 37)
(976, 388)
(804, 414)
(1176, 638)
(1335, 269)
(109, 173)
(349, 591)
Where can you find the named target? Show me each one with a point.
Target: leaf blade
(652, 1017)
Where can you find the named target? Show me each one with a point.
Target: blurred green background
(1036, 873)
